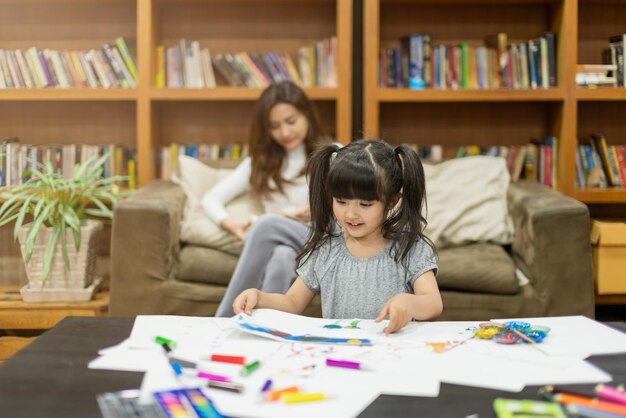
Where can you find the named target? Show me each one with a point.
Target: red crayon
(228, 359)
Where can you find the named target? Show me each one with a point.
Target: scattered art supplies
(255, 371)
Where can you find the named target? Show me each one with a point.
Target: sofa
(538, 265)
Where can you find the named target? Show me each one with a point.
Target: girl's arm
(294, 301)
(425, 303)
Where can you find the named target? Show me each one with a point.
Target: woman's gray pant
(268, 259)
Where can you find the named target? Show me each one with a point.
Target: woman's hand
(246, 301)
(302, 214)
(236, 228)
(399, 309)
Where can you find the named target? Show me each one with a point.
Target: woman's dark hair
(368, 170)
(268, 156)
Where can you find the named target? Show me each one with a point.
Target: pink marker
(213, 377)
(343, 363)
(611, 394)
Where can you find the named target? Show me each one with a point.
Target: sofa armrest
(551, 246)
(144, 246)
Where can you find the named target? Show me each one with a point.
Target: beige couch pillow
(467, 201)
(196, 178)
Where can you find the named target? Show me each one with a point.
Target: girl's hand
(399, 309)
(235, 228)
(246, 301)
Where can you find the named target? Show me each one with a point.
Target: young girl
(379, 264)
(285, 131)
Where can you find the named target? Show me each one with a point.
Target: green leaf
(66, 257)
(34, 230)
(5, 221)
(47, 260)
(22, 214)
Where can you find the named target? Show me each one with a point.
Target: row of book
(533, 161)
(168, 156)
(111, 66)
(419, 64)
(188, 65)
(599, 164)
(17, 160)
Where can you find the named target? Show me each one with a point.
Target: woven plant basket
(82, 262)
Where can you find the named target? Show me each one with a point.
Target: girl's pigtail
(410, 216)
(320, 200)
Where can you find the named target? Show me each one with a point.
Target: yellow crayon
(295, 397)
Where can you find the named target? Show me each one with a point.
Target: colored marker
(249, 368)
(177, 369)
(274, 395)
(297, 397)
(166, 347)
(228, 359)
(566, 398)
(266, 386)
(162, 340)
(611, 394)
(229, 386)
(214, 377)
(343, 363)
(588, 412)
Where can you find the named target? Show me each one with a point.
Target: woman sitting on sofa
(285, 131)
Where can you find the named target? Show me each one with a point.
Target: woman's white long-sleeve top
(238, 182)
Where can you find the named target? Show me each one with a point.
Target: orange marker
(274, 395)
(566, 398)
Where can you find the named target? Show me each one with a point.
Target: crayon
(228, 359)
(297, 397)
(588, 412)
(274, 395)
(566, 398)
(611, 394)
(229, 386)
(266, 386)
(249, 368)
(343, 363)
(215, 377)
(162, 340)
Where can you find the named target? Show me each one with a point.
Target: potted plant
(58, 245)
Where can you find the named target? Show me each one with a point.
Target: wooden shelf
(430, 95)
(600, 94)
(146, 118)
(68, 94)
(617, 195)
(232, 93)
(499, 117)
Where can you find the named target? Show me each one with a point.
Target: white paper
(577, 335)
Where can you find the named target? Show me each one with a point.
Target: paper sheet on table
(347, 396)
(577, 335)
(283, 326)
(125, 359)
(183, 330)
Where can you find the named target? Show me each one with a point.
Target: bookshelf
(148, 118)
(505, 116)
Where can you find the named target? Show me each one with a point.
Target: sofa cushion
(197, 178)
(481, 268)
(205, 265)
(467, 201)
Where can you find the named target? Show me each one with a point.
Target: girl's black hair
(368, 170)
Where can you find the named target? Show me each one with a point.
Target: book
(499, 43)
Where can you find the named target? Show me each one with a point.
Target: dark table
(50, 378)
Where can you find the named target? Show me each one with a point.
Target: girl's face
(288, 126)
(360, 219)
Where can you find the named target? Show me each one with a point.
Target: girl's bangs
(353, 181)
